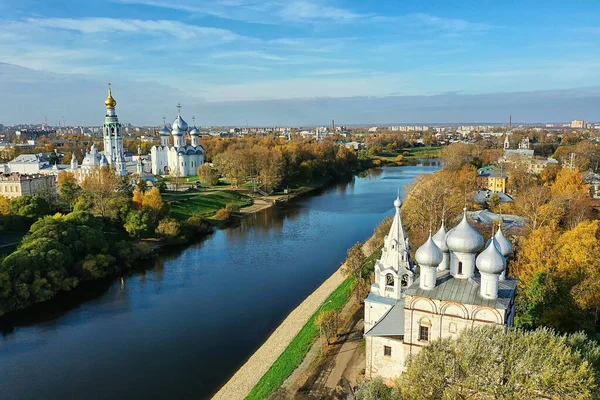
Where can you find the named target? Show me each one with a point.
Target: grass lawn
(294, 354)
(203, 204)
(413, 153)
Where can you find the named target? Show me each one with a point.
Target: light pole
(321, 323)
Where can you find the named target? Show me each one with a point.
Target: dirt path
(250, 373)
(330, 381)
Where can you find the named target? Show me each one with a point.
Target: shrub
(168, 228)
(29, 206)
(233, 207)
(223, 214)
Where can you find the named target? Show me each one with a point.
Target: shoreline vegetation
(60, 251)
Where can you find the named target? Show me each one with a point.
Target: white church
(179, 158)
(458, 287)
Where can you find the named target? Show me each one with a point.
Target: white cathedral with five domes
(179, 158)
(457, 287)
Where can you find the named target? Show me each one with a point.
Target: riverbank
(287, 347)
(246, 378)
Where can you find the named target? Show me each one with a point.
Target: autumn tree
(455, 155)
(534, 203)
(571, 193)
(207, 175)
(559, 278)
(138, 198)
(353, 267)
(100, 187)
(68, 188)
(4, 205)
(153, 203)
(328, 322)
(489, 363)
(441, 194)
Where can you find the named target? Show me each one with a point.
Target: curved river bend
(182, 327)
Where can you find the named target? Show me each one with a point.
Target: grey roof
(465, 291)
(380, 299)
(392, 323)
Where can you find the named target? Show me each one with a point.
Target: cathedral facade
(179, 158)
(457, 287)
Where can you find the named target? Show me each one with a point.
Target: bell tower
(113, 136)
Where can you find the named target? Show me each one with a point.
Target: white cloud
(249, 54)
(327, 72)
(111, 25)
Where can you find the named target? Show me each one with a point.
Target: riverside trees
(489, 363)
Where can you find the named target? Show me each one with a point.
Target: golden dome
(110, 102)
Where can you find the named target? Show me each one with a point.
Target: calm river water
(181, 328)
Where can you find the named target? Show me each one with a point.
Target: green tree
(139, 223)
(328, 323)
(377, 390)
(488, 363)
(29, 206)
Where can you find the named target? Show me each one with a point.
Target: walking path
(250, 373)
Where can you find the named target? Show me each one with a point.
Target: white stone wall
(380, 365)
(373, 313)
(445, 319)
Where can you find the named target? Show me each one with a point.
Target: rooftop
(392, 323)
(465, 291)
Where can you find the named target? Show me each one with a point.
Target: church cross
(179, 108)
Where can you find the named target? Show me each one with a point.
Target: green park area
(411, 153)
(203, 204)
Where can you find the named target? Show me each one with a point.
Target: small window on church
(460, 267)
(389, 280)
(452, 327)
(387, 351)
(424, 333)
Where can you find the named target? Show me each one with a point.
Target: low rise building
(492, 177)
(15, 185)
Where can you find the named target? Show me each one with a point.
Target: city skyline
(299, 62)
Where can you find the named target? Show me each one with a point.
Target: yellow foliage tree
(578, 263)
(138, 197)
(153, 202)
(4, 205)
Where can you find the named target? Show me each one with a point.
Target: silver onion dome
(429, 254)
(464, 238)
(491, 261)
(440, 239)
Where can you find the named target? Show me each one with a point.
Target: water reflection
(180, 328)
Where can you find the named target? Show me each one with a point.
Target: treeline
(99, 238)
(275, 163)
(491, 363)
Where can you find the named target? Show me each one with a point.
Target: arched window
(404, 281)
(389, 280)
(460, 268)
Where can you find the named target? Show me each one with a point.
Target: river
(182, 327)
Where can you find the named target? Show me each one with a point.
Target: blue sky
(56, 56)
